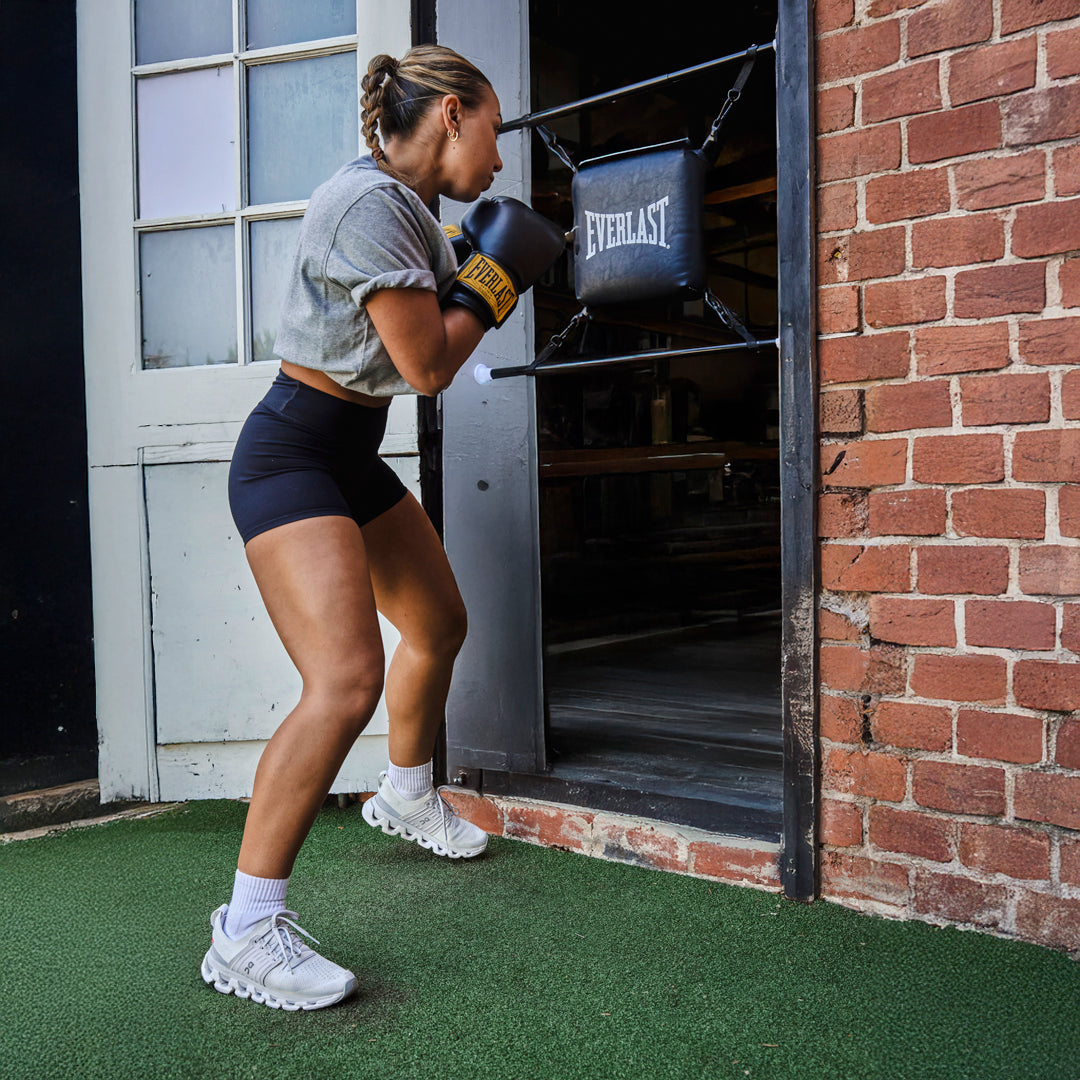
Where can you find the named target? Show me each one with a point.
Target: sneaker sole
(377, 821)
(231, 984)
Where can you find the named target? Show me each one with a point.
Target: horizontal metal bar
(610, 96)
(605, 361)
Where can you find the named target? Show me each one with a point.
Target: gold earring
(452, 135)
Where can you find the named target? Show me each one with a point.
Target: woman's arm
(427, 345)
(512, 247)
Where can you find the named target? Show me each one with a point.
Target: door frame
(795, 206)
(495, 714)
(489, 456)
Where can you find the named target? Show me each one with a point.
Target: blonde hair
(398, 93)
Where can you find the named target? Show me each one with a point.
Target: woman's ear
(451, 110)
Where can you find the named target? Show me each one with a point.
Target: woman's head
(432, 88)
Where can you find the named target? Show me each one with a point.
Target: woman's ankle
(253, 899)
(410, 782)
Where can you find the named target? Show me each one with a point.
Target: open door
(203, 130)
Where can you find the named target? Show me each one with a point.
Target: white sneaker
(273, 966)
(430, 821)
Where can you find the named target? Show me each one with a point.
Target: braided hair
(398, 93)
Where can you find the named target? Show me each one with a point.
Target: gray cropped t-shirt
(363, 231)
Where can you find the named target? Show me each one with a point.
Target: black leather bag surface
(638, 225)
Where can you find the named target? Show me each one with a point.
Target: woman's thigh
(411, 578)
(314, 578)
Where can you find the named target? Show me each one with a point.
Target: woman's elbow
(431, 384)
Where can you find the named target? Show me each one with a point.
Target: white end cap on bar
(482, 374)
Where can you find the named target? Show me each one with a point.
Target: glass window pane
(186, 143)
(167, 30)
(284, 22)
(303, 125)
(188, 280)
(272, 246)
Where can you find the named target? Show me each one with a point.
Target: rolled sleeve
(365, 255)
(395, 279)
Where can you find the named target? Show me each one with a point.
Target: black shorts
(303, 453)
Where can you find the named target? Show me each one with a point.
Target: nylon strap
(710, 148)
(560, 339)
(730, 319)
(555, 147)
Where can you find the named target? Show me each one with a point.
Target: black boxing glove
(462, 247)
(512, 245)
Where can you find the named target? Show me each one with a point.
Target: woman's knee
(348, 699)
(457, 626)
(443, 635)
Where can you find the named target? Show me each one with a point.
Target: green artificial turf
(526, 962)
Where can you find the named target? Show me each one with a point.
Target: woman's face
(473, 159)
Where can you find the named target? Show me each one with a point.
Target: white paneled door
(204, 127)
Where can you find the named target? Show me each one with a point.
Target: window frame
(243, 214)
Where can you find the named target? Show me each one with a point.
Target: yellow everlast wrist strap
(491, 283)
(452, 231)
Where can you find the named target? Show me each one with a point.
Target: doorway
(509, 527)
(658, 481)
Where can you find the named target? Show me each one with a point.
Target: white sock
(411, 783)
(253, 899)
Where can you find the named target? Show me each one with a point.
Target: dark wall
(48, 732)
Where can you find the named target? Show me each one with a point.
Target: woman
(373, 309)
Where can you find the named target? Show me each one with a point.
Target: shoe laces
(436, 813)
(283, 941)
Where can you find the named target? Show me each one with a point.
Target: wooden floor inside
(691, 718)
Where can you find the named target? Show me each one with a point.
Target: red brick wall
(654, 844)
(949, 363)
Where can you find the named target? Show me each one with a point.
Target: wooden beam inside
(741, 191)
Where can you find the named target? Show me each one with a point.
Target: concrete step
(52, 806)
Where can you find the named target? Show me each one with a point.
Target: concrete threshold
(35, 813)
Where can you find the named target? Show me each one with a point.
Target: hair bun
(381, 70)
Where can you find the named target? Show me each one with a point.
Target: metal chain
(733, 95)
